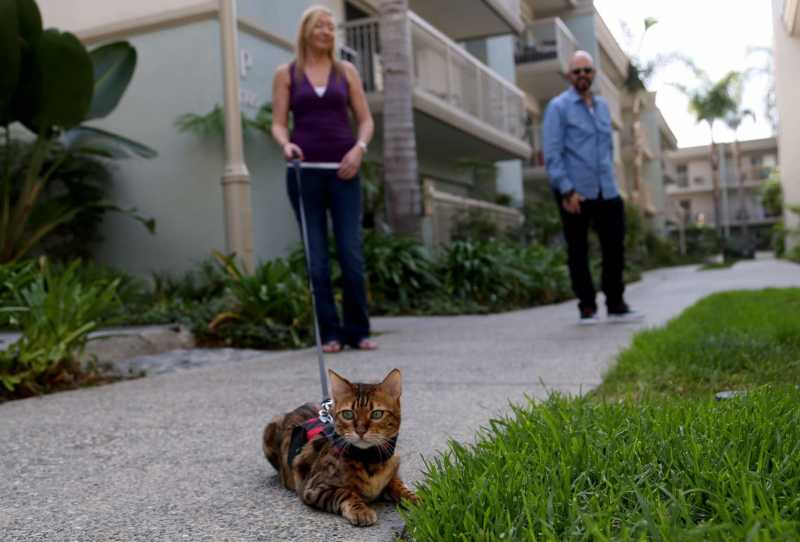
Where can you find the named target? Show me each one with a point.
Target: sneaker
(588, 317)
(624, 314)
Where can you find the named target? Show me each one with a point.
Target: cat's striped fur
(332, 481)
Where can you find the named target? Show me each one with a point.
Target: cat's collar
(315, 428)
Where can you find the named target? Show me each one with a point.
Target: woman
(319, 90)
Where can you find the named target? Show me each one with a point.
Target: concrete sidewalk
(177, 456)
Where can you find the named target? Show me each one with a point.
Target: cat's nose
(360, 431)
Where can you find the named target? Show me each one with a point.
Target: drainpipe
(236, 178)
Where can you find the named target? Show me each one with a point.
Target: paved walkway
(177, 456)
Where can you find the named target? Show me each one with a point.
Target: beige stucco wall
(77, 15)
(787, 59)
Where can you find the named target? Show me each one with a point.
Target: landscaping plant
(54, 313)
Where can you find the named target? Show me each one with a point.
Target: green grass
(651, 455)
(731, 340)
(589, 470)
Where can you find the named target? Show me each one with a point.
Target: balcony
(470, 19)
(543, 54)
(461, 106)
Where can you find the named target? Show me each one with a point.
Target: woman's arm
(358, 103)
(280, 113)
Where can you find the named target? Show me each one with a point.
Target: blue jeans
(324, 191)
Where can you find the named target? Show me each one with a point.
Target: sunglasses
(585, 71)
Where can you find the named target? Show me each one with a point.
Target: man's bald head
(581, 71)
(581, 59)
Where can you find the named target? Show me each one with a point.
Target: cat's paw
(360, 515)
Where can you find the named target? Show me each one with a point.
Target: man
(578, 153)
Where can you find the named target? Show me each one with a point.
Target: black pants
(323, 193)
(607, 218)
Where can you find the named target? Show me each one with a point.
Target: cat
(342, 465)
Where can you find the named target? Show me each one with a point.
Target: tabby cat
(342, 465)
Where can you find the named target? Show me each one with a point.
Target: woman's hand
(292, 151)
(351, 163)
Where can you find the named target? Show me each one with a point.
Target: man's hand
(572, 203)
(351, 163)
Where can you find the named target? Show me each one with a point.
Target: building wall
(500, 57)
(77, 15)
(181, 188)
(787, 59)
(731, 200)
(179, 71)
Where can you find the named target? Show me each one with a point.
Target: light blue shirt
(579, 147)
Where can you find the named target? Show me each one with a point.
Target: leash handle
(304, 230)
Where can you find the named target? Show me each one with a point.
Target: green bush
(475, 225)
(13, 278)
(502, 275)
(271, 307)
(55, 314)
(400, 273)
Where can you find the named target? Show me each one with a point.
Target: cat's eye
(347, 414)
(376, 414)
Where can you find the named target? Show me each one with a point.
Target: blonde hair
(307, 22)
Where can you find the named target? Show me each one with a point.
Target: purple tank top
(321, 124)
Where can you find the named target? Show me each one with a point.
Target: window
(756, 160)
(686, 205)
(699, 180)
(683, 169)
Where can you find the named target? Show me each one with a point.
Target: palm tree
(734, 120)
(710, 102)
(635, 84)
(403, 198)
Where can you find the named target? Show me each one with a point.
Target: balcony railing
(443, 71)
(547, 39)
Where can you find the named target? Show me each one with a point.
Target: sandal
(366, 344)
(332, 347)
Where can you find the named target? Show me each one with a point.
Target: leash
(327, 403)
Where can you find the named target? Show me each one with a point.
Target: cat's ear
(392, 384)
(339, 385)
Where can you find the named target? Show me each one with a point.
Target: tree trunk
(638, 153)
(715, 194)
(737, 159)
(401, 177)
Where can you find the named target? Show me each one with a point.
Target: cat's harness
(317, 428)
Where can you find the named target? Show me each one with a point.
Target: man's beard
(582, 84)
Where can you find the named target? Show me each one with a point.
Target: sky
(716, 34)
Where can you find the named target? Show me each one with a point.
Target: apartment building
(554, 30)
(658, 141)
(690, 189)
(467, 108)
(468, 111)
(786, 25)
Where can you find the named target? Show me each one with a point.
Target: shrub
(400, 273)
(271, 307)
(55, 314)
